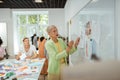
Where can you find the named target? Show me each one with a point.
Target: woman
(27, 51)
(57, 51)
(2, 50)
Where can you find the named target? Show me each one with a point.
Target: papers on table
(29, 79)
(2, 73)
(23, 69)
(23, 56)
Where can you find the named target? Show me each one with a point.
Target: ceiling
(13, 4)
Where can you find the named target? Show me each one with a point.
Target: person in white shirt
(27, 51)
(90, 43)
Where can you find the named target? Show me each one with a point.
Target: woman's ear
(49, 34)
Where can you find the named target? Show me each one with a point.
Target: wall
(72, 7)
(117, 29)
(56, 17)
(6, 16)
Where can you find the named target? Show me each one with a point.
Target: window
(28, 23)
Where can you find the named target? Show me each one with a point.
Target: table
(22, 70)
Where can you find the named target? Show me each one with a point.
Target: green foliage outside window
(22, 19)
(22, 31)
(32, 19)
(43, 19)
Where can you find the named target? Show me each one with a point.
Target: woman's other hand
(77, 42)
(18, 56)
(70, 44)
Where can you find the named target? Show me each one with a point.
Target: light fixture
(38, 1)
(94, 1)
(1, 1)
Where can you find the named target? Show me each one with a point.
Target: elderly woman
(27, 51)
(57, 51)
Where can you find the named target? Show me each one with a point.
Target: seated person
(2, 50)
(27, 51)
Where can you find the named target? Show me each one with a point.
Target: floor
(42, 77)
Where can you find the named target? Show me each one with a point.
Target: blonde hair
(49, 28)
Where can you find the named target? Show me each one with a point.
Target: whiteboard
(3, 33)
(102, 21)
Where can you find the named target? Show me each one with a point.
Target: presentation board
(101, 18)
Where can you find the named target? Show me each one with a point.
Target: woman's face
(26, 42)
(53, 33)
